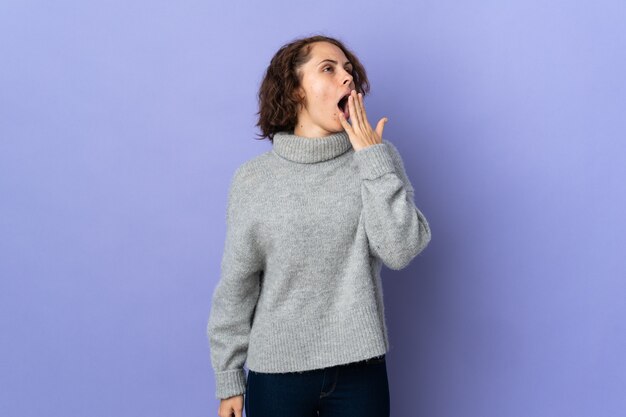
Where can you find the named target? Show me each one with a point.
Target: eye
(349, 70)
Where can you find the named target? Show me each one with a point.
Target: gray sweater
(309, 225)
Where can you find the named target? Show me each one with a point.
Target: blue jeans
(348, 390)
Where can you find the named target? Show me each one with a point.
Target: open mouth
(343, 105)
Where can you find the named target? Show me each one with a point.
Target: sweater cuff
(374, 161)
(229, 383)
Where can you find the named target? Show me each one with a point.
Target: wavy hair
(278, 98)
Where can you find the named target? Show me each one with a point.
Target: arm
(235, 297)
(396, 229)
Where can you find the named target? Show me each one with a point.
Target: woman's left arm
(396, 229)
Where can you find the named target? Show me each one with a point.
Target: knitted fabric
(309, 225)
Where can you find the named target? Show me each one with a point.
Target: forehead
(326, 50)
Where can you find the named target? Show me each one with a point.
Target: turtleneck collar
(310, 150)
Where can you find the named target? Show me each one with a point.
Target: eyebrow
(333, 61)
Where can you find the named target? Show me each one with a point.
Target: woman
(309, 225)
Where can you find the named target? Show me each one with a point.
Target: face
(324, 83)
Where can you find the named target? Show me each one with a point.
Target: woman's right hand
(231, 406)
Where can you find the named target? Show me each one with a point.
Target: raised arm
(396, 229)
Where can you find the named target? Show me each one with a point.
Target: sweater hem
(300, 345)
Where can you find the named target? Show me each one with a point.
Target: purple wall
(122, 122)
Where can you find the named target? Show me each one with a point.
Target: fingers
(359, 127)
(361, 110)
(354, 113)
(231, 408)
(380, 126)
(344, 122)
(357, 111)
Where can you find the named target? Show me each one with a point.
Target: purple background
(122, 122)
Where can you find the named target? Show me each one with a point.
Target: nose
(347, 78)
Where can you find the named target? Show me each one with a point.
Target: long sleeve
(235, 296)
(396, 229)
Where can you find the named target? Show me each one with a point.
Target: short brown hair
(278, 101)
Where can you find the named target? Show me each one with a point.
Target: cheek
(327, 103)
(321, 94)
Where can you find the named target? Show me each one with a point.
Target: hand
(231, 406)
(360, 132)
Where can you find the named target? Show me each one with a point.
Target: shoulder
(252, 169)
(245, 178)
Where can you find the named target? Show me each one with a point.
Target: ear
(299, 92)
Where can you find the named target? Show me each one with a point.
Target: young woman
(309, 225)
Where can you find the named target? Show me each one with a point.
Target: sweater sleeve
(235, 296)
(396, 229)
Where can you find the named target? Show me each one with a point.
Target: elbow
(400, 255)
(397, 260)
(424, 236)
(397, 263)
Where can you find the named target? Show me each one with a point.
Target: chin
(338, 128)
